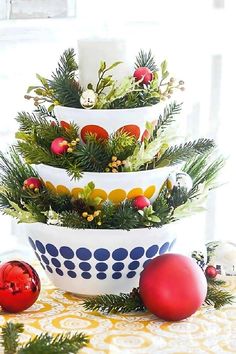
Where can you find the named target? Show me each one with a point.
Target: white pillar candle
(94, 50)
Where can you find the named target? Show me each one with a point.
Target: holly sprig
(44, 343)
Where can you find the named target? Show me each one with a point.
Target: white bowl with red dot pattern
(104, 122)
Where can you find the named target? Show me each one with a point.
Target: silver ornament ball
(180, 180)
(88, 99)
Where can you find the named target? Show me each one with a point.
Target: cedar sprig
(146, 59)
(123, 303)
(44, 343)
(218, 297)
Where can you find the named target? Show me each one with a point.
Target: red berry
(144, 74)
(211, 271)
(141, 202)
(59, 146)
(32, 183)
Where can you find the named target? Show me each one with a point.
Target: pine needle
(123, 303)
(10, 336)
(147, 60)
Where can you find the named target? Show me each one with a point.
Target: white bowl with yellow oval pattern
(115, 187)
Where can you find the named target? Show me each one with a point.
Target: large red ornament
(143, 74)
(211, 271)
(141, 202)
(173, 287)
(59, 146)
(19, 286)
(32, 183)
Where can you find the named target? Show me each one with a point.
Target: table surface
(207, 331)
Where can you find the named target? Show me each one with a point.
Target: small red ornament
(143, 74)
(173, 287)
(211, 271)
(32, 183)
(59, 146)
(141, 202)
(19, 286)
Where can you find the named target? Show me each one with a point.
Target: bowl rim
(106, 231)
(115, 175)
(113, 110)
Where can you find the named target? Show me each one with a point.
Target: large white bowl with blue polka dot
(91, 262)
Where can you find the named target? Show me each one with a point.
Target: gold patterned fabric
(207, 331)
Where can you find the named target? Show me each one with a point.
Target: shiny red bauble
(32, 183)
(59, 146)
(211, 271)
(173, 287)
(144, 75)
(141, 202)
(19, 286)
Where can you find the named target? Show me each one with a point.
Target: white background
(197, 38)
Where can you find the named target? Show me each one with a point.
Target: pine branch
(66, 89)
(123, 303)
(167, 119)
(121, 145)
(218, 297)
(10, 336)
(126, 217)
(179, 153)
(144, 59)
(74, 220)
(60, 344)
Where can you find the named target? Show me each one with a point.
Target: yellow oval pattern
(117, 196)
(135, 192)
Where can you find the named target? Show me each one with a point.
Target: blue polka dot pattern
(134, 265)
(69, 265)
(32, 243)
(72, 274)
(172, 245)
(56, 262)
(59, 272)
(137, 253)
(52, 250)
(120, 254)
(42, 265)
(66, 252)
(118, 266)
(152, 251)
(101, 276)
(124, 263)
(49, 269)
(116, 275)
(45, 259)
(86, 275)
(146, 263)
(101, 254)
(131, 274)
(40, 246)
(164, 248)
(83, 253)
(101, 267)
(85, 266)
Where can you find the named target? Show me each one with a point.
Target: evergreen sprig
(167, 118)
(184, 152)
(41, 344)
(123, 303)
(216, 296)
(146, 59)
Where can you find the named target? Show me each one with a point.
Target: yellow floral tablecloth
(208, 331)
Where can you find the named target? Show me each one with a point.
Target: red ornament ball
(59, 146)
(143, 74)
(19, 286)
(141, 202)
(211, 271)
(172, 287)
(32, 183)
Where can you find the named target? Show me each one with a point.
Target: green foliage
(216, 296)
(10, 336)
(184, 152)
(144, 59)
(40, 344)
(123, 303)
